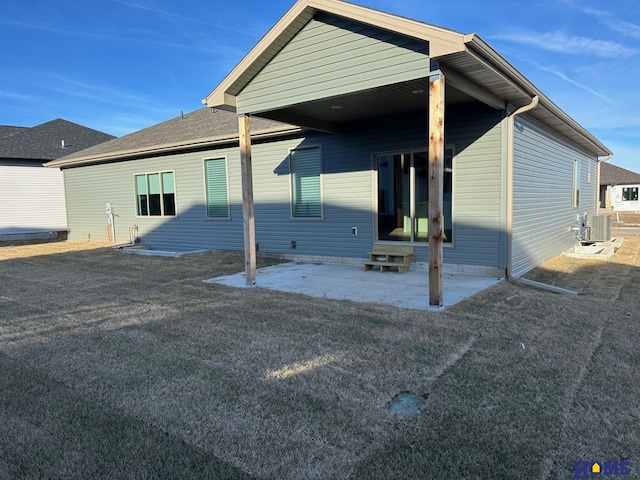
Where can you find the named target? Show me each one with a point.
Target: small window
(155, 194)
(216, 189)
(630, 194)
(305, 165)
(576, 183)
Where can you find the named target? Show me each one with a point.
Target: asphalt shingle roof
(185, 129)
(7, 131)
(613, 175)
(44, 141)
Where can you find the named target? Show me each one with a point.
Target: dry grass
(621, 219)
(116, 365)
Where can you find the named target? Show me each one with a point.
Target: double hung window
(216, 188)
(305, 165)
(155, 194)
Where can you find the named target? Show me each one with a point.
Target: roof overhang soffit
(441, 41)
(506, 82)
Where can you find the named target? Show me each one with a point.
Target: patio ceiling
(336, 114)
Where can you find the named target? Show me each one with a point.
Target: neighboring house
(618, 188)
(339, 98)
(32, 198)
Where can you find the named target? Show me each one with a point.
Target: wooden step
(389, 256)
(385, 266)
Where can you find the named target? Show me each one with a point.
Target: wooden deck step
(389, 256)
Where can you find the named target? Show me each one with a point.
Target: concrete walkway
(409, 290)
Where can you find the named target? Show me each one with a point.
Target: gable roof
(44, 141)
(202, 128)
(465, 59)
(614, 175)
(441, 40)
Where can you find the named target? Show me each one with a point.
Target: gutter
(482, 52)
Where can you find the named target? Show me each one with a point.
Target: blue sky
(122, 65)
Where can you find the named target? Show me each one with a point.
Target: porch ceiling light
(417, 91)
(336, 107)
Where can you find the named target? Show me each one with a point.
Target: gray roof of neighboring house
(44, 141)
(613, 175)
(201, 128)
(7, 131)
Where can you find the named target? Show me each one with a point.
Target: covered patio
(349, 282)
(366, 71)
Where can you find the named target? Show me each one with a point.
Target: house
(32, 197)
(345, 128)
(618, 188)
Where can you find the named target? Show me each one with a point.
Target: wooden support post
(436, 175)
(244, 126)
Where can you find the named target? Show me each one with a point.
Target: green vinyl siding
(333, 56)
(347, 192)
(544, 191)
(306, 184)
(216, 188)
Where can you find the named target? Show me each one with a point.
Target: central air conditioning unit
(598, 227)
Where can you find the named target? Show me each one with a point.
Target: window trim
(291, 215)
(175, 193)
(204, 185)
(630, 197)
(575, 195)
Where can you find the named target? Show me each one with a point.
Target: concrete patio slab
(409, 290)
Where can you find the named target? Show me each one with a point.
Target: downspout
(510, 148)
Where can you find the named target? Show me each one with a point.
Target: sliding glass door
(394, 194)
(403, 196)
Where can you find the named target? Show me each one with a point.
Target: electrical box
(109, 208)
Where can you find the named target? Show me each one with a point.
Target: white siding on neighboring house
(625, 198)
(31, 199)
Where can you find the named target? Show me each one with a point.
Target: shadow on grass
(140, 346)
(49, 431)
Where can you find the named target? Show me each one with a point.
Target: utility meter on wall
(109, 208)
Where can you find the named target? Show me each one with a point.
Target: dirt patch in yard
(202, 380)
(623, 219)
(32, 248)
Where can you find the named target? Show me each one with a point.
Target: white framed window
(630, 194)
(155, 194)
(216, 188)
(576, 183)
(305, 167)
